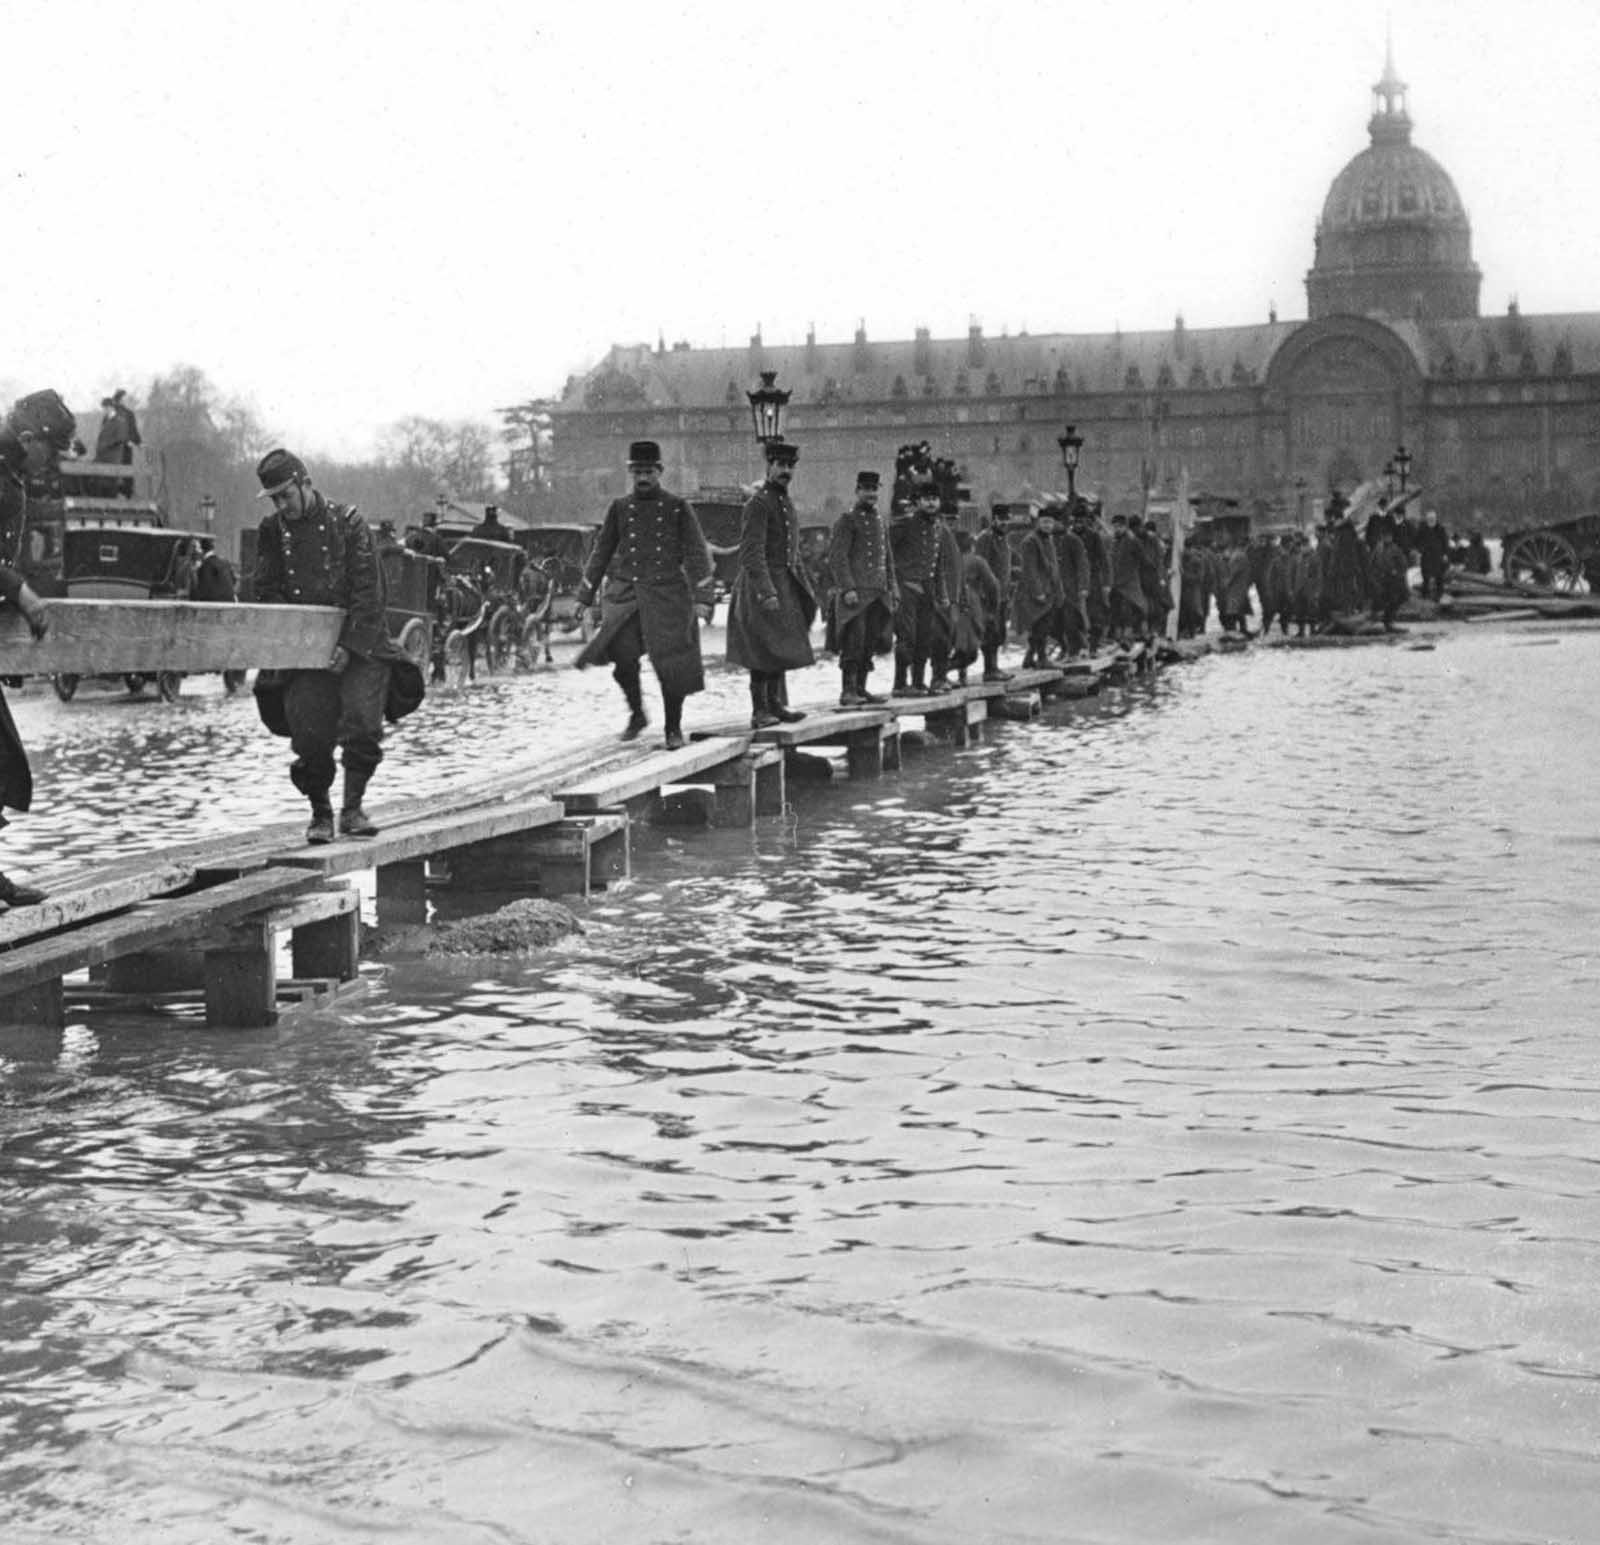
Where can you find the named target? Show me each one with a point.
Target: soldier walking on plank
(771, 609)
(313, 552)
(656, 566)
(864, 592)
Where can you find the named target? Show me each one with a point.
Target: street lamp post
(208, 513)
(1390, 476)
(1071, 444)
(1402, 466)
(1300, 502)
(767, 403)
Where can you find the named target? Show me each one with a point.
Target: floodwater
(1174, 1120)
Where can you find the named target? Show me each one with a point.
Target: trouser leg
(311, 706)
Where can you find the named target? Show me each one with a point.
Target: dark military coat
(915, 540)
(770, 565)
(653, 557)
(1127, 579)
(16, 777)
(1039, 590)
(860, 560)
(326, 558)
(978, 616)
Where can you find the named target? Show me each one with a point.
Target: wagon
(494, 570)
(410, 580)
(1563, 557)
(556, 558)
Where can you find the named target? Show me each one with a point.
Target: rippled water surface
(1173, 1120)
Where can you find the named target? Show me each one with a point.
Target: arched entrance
(1344, 389)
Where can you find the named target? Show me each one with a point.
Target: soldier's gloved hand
(769, 603)
(33, 612)
(339, 659)
(851, 598)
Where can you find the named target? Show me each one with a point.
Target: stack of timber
(1474, 597)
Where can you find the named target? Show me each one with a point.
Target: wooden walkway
(207, 922)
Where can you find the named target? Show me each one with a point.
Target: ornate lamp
(1390, 477)
(767, 403)
(208, 513)
(1402, 465)
(1071, 444)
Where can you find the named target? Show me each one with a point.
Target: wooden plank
(94, 637)
(82, 902)
(655, 771)
(826, 728)
(422, 839)
(171, 921)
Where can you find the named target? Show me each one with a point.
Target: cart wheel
(66, 687)
(169, 684)
(501, 644)
(416, 640)
(135, 682)
(1544, 561)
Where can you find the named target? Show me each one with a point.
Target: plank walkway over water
(210, 915)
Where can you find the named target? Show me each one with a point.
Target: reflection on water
(1170, 1121)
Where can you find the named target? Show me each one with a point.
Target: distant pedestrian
(918, 550)
(1039, 592)
(656, 567)
(1433, 554)
(313, 552)
(772, 607)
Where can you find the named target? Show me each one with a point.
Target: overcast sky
(346, 212)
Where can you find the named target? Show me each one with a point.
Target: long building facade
(1500, 414)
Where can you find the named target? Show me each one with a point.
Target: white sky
(347, 212)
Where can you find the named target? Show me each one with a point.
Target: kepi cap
(278, 469)
(868, 480)
(644, 453)
(782, 452)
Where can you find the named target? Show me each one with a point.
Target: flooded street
(1173, 1120)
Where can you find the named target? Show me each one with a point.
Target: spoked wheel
(169, 684)
(1543, 560)
(66, 687)
(455, 658)
(135, 682)
(501, 645)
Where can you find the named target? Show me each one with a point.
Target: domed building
(1500, 415)
(1393, 240)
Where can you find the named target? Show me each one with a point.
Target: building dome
(1394, 239)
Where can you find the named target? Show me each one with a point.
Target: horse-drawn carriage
(556, 558)
(1563, 556)
(483, 610)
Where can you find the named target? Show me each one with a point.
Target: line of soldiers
(1308, 584)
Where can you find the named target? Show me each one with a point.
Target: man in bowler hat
(656, 566)
(772, 607)
(313, 552)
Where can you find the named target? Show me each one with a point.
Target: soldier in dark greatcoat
(1039, 589)
(1390, 588)
(992, 546)
(861, 567)
(980, 604)
(1087, 526)
(772, 607)
(313, 552)
(1433, 554)
(1072, 618)
(1127, 583)
(949, 580)
(656, 566)
(16, 777)
(918, 547)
